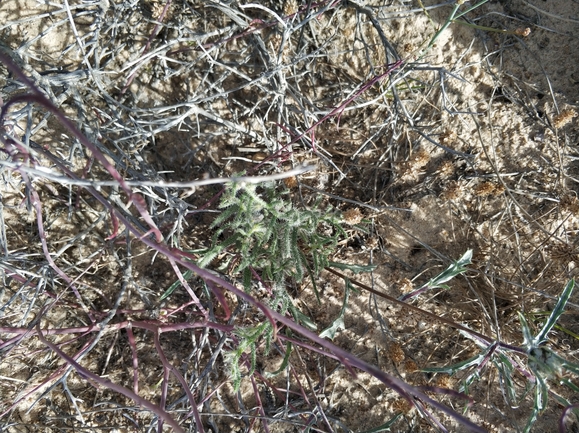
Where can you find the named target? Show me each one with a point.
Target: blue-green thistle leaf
(555, 314)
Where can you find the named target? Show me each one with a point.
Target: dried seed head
(352, 216)
(564, 118)
(395, 353)
(446, 168)
(157, 10)
(499, 189)
(488, 188)
(290, 7)
(410, 366)
(484, 189)
(444, 381)
(290, 182)
(420, 159)
(402, 405)
(416, 161)
(452, 191)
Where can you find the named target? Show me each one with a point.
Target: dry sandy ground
(473, 146)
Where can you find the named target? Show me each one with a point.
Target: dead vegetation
(430, 144)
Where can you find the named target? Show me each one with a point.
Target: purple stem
(349, 360)
(111, 385)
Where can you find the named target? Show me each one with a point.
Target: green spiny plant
(266, 238)
(264, 233)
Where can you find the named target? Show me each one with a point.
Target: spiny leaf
(284, 362)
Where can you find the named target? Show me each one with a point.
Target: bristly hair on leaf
(270, 239)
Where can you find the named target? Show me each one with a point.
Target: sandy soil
(472, 145)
